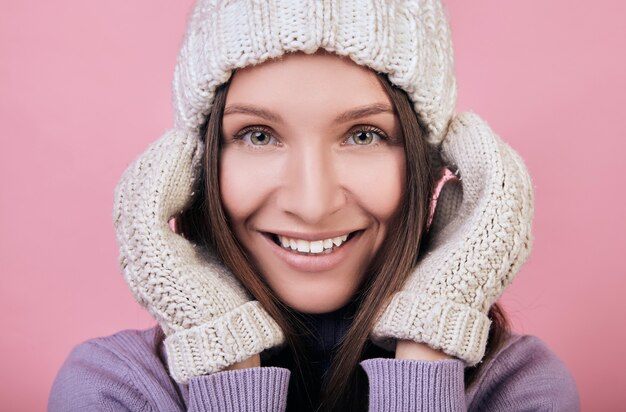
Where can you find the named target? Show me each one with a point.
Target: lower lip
(313, 263)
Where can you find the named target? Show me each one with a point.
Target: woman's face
(312, 171)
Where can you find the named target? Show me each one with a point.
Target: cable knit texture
(210, 320)
(407, 40)
(483, 228)
(482, 235)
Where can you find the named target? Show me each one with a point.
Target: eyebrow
(363, 111)
(252, 110)
(344, 117)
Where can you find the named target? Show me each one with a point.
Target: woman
(305, 272)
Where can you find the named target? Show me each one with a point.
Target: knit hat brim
(409, 41)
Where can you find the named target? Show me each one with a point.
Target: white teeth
(317, 246)
(303, 246)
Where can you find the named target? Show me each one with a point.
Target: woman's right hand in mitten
(210, 321)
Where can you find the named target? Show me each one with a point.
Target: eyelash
(241, 135)
(366, 128)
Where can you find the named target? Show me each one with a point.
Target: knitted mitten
(480, 238)
(209, 319)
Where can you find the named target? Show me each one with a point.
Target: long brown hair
(345, 384)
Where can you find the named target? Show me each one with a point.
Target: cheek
(245, 182)
(377, 182)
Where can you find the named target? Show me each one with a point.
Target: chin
(317, 302)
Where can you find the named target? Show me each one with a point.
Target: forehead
(320, 80)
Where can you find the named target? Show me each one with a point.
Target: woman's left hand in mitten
(481, 235)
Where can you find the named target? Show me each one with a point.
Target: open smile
(306, 257)
(312, 247)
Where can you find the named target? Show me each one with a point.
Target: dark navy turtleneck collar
(325, 330)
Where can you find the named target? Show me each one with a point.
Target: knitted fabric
(208, 317)
(128, 372)
(482, 235)
(482, 231)
(407, 40)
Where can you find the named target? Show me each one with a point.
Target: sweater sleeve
(411, 385)
(255, 389)
(524, 376)
(123, 373)
(94, 378)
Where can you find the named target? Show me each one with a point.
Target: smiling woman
(331, 134)
(303, 272)
(301, 206)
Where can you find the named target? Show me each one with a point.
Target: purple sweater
(128, 371)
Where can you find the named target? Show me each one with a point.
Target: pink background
(84, 89)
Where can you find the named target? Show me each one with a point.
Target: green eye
(365, 137)
(259, 138)
(256, 136)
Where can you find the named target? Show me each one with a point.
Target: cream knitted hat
(408, 40)
(210, 320)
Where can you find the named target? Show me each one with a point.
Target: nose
(312, 189)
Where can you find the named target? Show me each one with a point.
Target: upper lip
(311, 236)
